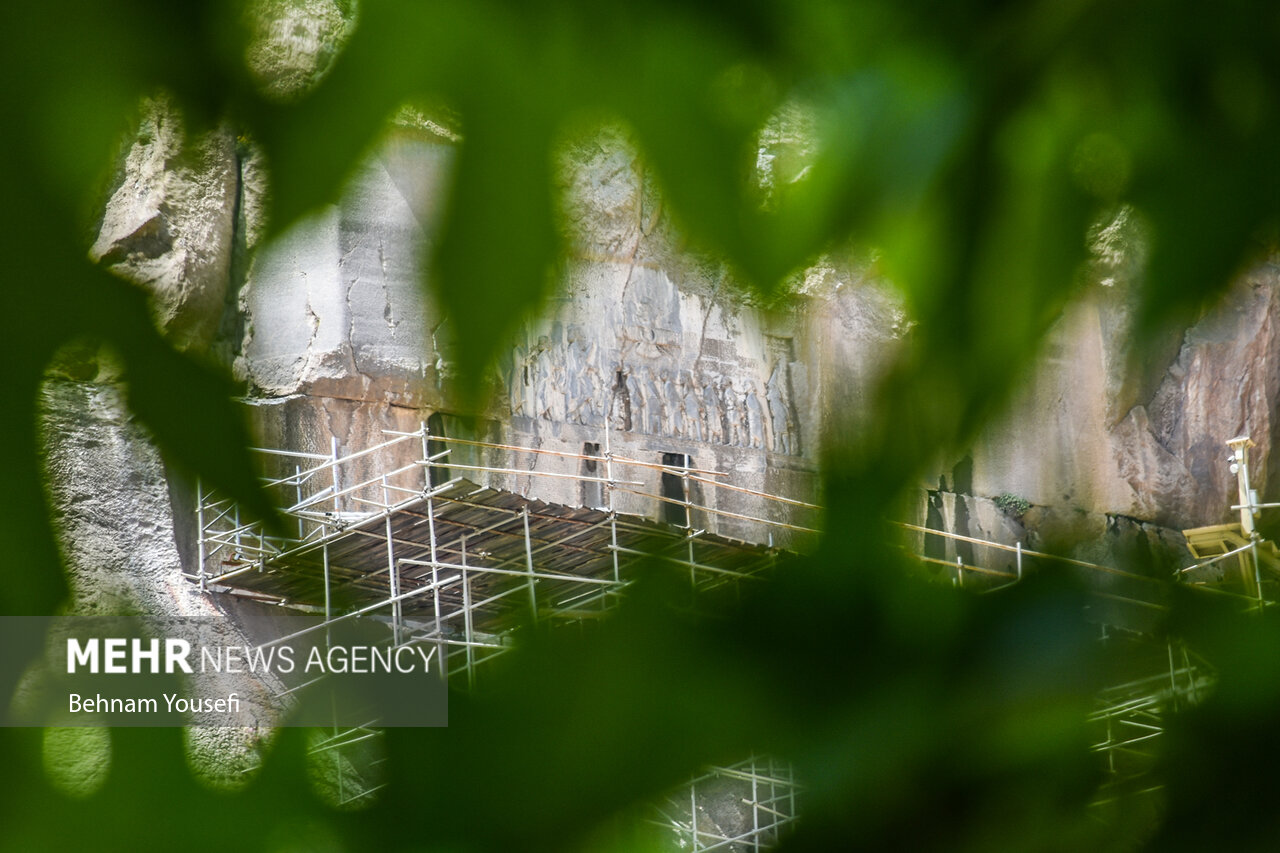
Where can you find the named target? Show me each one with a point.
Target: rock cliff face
(1223, 383)
(171, 220)
(114, 508)
(335, 309)
(294, 42)
(1100, 446)
(646, 352)
(1162, 456)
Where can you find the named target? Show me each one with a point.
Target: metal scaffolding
(454, 563)
(436, 537)
(1128, 607)
(735, 809)
(432, 536)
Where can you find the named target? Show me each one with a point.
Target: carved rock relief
(570, 380)
(646, 360)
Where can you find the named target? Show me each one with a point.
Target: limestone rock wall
(1223, 383)
(113, 506)
(335, 308)
(171, 219)
(649, 352)
(1077, 438)
(1116, 455)
(294, 42)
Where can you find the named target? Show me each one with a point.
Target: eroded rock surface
(336, 308)
(170, 222)
(112, 501)
(1078, 438)
(295, 42)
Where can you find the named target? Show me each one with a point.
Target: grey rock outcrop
(645, 353)
(1114, 454)
(114, 512)
(335, 308)
(170, 222)
(1223, 383)
(1079, 438)
(645, 343)
(295, 42)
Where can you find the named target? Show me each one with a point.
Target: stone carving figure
(673, 419)
(621, 401)
(540, 368)
(754, 416)
(581, 367)
(518, 385)
(594, 405)
(734, 415)
(598, 387)
(780, 417)
(655, 414)
(574, 364)
(711, 394)
(639, 402)
(692, 405)
(557, 396)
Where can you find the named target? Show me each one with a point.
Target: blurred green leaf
(969, 145)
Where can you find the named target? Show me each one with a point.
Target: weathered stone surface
(653, 351)
(634, 360)
(169, 223)
(786, 149)
(856, 321)
(608, 204)
(647, 343)
(335, 308)
(1223, 383)
(1100, 433)
(647, 353)
(295, 42)
(1054, 447)
(1078, 437)
(1112, 453)
(111, 497)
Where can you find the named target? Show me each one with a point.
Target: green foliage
(973, 143)
(1012, 504)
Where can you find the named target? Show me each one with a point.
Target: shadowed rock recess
(646, 350)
